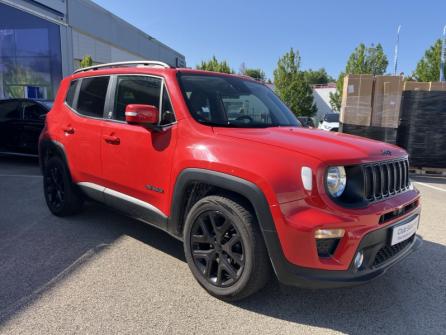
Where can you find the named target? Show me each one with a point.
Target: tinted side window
(167, 114)
(136, 90)
(9, 110)
(92, 94)
(33, 111)
(70, 94)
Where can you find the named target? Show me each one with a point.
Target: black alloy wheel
(55, 189)
(62, 196)
(217, 248)
(224, 247)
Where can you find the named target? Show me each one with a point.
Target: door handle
(111, 139)
(68, 130)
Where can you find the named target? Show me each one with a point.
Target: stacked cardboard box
(356, 108)
(386, 101)
(371, 100)
(370, 106)
(424, 86)
(438, 86)
(416, 86)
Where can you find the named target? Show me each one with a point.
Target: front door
(137, 161)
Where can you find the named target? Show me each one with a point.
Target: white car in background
(330, 122)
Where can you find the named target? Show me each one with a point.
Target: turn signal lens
(307, 178)
(329, 233)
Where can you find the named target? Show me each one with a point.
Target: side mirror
(142, 114)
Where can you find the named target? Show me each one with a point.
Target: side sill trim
(95, 187)
(133, 200)
(129, 205)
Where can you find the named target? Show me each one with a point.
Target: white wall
(322, 99)
(100, 52)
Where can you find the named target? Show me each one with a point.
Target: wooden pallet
(428, 171)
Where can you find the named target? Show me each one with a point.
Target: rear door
(10, 125)
(81, 129)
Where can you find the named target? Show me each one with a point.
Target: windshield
(333, 117)
(234, 102)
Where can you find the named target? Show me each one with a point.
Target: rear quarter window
(69, 99)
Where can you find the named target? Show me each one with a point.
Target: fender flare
(50, 144)
(222, 180)
(252, 193)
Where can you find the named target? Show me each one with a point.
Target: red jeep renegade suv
(219, 162)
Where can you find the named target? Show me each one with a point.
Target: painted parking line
(430, 186)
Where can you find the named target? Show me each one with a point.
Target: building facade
(43, 41)
(321, 96)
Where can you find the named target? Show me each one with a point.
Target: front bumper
(378, 258)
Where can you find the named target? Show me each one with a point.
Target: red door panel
(82, 141)
(137, 161)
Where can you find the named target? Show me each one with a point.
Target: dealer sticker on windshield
(404, 231)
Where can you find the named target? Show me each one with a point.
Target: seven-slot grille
(385, 179)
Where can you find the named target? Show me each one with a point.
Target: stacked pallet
(410, 114)
(423, 122)
(370, 106)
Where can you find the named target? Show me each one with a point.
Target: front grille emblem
(386, 152)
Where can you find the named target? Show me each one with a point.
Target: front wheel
(225, 249)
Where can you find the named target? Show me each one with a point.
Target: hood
(322, 145)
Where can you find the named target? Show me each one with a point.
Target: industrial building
(41, 41)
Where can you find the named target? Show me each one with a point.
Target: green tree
(86, 61)
(363, 60)
(428, 68)
(214, 65)
(257, 74)
(291, 86)
(314, 77)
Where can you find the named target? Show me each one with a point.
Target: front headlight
(336, 180)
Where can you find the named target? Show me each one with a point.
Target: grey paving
(102, 273)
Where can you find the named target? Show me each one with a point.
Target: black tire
(61, 195)
(231, 263)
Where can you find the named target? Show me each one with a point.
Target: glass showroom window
(30, 56)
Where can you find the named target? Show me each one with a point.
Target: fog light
(359, 258)
(329, 233)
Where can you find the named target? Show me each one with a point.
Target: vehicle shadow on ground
(36, 256)
(40, 250)
(410, 298)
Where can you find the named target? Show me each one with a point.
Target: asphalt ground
(103, 273)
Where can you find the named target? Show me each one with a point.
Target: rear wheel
(225, 249)
(62, 197)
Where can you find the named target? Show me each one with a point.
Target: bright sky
(259, 32)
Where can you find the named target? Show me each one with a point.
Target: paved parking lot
(101, 272)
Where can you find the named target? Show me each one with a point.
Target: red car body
(269, 158)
